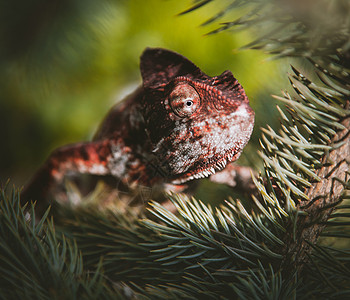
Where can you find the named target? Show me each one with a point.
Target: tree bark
(323, 196)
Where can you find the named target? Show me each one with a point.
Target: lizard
(178, 126)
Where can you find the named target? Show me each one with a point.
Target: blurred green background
(64, 63)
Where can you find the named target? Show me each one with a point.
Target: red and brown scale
(180, 125)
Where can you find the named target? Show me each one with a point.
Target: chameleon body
(180, 125)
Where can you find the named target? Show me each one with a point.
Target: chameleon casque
(180, 125)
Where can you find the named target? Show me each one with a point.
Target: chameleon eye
(184, 100)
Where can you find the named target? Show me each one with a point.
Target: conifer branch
(307, 160)
(38, 263)
(323, 196)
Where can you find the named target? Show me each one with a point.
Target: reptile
(180, 125)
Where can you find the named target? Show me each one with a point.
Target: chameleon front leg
(236, 176)
(91, 158)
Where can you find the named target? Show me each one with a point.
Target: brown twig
(323, 195)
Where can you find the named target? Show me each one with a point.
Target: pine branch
(285, 29)
(259, 284)
(199, 245)
(323, 196)
(36, 263)
(307, 161)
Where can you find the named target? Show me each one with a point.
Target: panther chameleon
(179, 126)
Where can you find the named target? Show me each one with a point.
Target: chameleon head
(196, 123)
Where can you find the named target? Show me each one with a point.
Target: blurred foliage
(64, 63)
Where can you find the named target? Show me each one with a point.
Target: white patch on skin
(117, 164)
(97, 169)
(216, 142)
(241, 111)
(225, 177)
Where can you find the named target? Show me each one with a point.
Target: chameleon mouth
(208, 170)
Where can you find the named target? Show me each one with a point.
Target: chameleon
(180, 125)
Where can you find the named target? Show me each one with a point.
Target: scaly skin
(180, 125)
